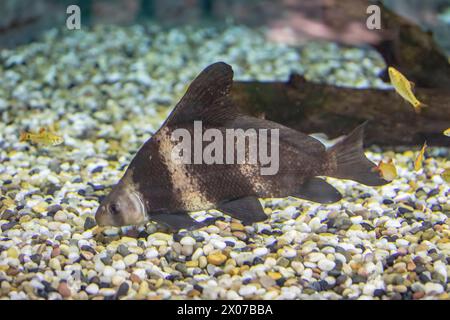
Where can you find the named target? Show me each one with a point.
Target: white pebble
(326, 265)
(433, 288)
(92, 288)
(187, 241)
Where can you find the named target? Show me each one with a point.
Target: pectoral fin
(248, 210)
(318, 190)
(176, 221)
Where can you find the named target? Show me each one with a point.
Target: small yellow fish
(446, 175)
(404, 88)
(447, 132)
(419, 159)
(43, 137)
(387, 170)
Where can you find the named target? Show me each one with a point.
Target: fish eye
(114, 209)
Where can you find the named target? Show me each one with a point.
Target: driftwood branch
(311, 107)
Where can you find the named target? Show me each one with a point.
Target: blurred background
(289, 21)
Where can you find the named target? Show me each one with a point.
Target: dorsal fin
(206, 98)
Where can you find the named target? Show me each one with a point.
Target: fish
(447, 132)
(156, 188)
(44, 136)
(404, 88)
(420, 157)
(387, 170)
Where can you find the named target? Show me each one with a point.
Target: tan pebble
(193, 293)
(418, 295)
(202, 262)
(222, 225)
(41, 207)
(444, 296)
(274, 275)
(192, 264)
(12, 252)
(411, 266)
(87, 255)
(236, 226)
(217, 258)
(135, 278)
(54, 264)
(64, 289)
(144, 288)
(56, 251)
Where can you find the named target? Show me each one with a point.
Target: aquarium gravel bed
(105, 91)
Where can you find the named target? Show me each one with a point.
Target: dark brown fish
(156, 188)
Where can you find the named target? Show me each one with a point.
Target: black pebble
(379, 293)
(97, 169)
(198, 288)
(89, 249)
(257, 261)
(391, 259)
(143, 234)
(403, 210)
(388, 201)
(89, 223)
(433, 192)
(230, 243)
(280, 282)
(9, 225)
(51, 210)
(199, 238)
(123, 289)
(36, 258)
(178, 236)
(424, 278)
(367, 226)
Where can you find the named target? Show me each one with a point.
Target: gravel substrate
(108, 89)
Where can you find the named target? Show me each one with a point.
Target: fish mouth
(103, 219)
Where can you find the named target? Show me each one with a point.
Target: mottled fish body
(155, 187)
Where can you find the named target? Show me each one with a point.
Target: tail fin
(352, 163)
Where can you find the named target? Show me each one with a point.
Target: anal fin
(247, 209)
(318, 190)
(177, 220)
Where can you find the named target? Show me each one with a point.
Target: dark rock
(36, 258)
(89, 249)
(341, 279)
(123, 290)
(379, 293)
(51, 210)
(9, 225)
(97, 169)
(89, 223)
(424, 278)
(123, 250)
(403, 210)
